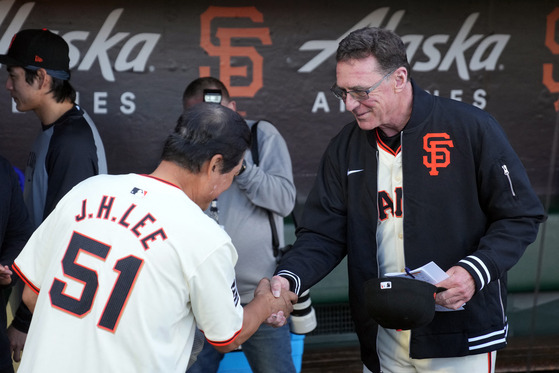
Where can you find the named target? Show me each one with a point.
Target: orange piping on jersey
(163, 181)
(25, 279)
(385, 147)
(225, 343)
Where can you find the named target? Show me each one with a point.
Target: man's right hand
(280, 307)
(257, 311)
(279, 286)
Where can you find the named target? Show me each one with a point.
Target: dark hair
(387, 47)
(62, 90)
(196, 88)
(203, 131)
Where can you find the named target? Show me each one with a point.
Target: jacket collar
(421, 108)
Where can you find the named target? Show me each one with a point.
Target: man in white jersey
(121, 272)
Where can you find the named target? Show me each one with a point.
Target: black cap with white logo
(400, 303)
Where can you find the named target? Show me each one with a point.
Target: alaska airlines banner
(131, 61)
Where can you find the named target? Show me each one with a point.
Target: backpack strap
(256, 160)
(254, 144)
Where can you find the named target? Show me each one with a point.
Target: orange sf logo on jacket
(437, 145)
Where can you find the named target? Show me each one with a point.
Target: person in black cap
(414, 178)
(67, 150)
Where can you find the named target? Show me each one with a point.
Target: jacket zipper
(503, 311)
(507, 174)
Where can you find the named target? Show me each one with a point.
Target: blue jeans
(267, 351)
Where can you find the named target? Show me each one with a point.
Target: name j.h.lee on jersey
(143, 228)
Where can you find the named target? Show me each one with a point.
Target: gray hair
(387, 47)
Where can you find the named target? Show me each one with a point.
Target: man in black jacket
(415, 178)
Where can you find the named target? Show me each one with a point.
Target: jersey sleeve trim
(225, 343)
(25, 279)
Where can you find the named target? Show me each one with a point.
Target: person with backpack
(243, 211)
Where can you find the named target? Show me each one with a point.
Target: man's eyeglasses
(358, 94)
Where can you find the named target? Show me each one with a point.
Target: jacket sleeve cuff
(294, 281)
(477, 269)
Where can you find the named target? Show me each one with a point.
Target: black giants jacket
(467, 202)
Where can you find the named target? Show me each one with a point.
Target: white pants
(393, 350)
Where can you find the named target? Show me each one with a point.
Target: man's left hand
(460, 288)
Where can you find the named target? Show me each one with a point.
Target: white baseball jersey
(390, 233)
(390, 230)
(125, 267)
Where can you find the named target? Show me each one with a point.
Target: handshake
(303, 317)
(272, 304)
(286, 303)
(279, 298)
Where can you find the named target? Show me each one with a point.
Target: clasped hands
(280, 298)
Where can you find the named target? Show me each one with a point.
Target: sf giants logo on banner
(552, 43)
(437, 145)
(227, 52)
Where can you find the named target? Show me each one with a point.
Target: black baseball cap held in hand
(39, 48)
(400, 303)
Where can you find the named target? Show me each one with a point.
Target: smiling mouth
(360, 115)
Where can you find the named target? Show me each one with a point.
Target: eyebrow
(354, 88)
